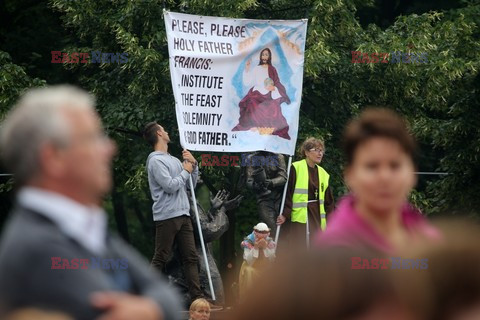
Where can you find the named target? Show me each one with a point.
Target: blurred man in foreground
(56, 252)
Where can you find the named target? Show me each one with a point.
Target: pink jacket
(347, 228)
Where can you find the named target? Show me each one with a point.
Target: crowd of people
(371, 255)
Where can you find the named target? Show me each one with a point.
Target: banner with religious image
(237, 82)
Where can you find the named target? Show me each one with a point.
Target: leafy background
(439, 98)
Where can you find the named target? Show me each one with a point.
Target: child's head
(268, 82)
(200, 310)
(261, 230)
(313, 149)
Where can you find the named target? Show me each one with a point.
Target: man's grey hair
(37, 119)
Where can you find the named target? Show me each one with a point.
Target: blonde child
(258, 251)
(200, 310)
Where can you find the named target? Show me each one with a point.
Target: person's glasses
(317, 150)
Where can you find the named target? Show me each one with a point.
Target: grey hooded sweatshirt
(168, 182)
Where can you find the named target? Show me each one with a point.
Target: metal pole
(283, 199)
(308, 232)
(195, 209)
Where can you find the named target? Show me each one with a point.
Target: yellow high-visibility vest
(300, 194)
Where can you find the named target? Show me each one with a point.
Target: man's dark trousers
(178, 229)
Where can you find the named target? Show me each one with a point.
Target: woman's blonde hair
(310, 143)
(199, 303)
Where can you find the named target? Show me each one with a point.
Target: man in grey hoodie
(168, 180)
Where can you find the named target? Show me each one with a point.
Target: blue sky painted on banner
(269, 39)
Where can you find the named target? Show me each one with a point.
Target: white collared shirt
(87, 225)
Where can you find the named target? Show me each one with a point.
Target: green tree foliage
(439, 97)
(13, 82)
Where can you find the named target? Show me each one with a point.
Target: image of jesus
(260, 109)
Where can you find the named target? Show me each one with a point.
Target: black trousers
(180, 230)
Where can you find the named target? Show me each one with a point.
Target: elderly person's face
(86, 162)
(315, 154)
(261, 234)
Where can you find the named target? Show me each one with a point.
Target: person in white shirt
(54, 144)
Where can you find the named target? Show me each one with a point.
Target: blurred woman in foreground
(380, 155)
(321, 285)
(449, 288)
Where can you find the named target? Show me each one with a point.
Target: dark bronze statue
(214, 223)
(266, 175)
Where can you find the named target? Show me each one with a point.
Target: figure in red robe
(260, 108)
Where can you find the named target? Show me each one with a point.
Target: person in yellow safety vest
(308, 194)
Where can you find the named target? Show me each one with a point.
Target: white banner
(237, 82)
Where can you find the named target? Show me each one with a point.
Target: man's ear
(51, 160)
